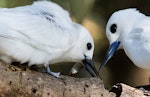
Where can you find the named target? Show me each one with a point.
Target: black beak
(112, 49)
(90, 67)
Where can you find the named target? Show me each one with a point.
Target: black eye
(113, 28)
(89, 46)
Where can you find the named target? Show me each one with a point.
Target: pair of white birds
(43, 33)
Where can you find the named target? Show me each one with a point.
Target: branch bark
(15, 82)
(122, 90)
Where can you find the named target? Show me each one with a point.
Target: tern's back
(37, 29)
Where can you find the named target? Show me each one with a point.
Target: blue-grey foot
(57, 75)
(46, 69)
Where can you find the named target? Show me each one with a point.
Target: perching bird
(43, 33)
(129, 29)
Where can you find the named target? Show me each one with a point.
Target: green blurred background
(93, 14)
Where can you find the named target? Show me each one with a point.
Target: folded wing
(43, 25)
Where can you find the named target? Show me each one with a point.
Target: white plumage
(42, 33)
(129, 29)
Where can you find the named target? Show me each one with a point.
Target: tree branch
(15, 82)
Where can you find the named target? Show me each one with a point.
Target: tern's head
(83, 48)
(118, 26)
(121, 23)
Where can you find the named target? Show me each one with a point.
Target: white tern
(129, 29)
(43, 33)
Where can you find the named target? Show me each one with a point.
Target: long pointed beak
(90, 67)
(110, 52)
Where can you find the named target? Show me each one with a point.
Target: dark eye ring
(113, 28)
(89, 46)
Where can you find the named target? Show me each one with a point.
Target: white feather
(41, 32)
(133, 32)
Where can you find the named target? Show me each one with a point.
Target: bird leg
(38, 68)
(57, 75)
(46, 69)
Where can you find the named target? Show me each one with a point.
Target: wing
(137, 43)
(141, 31)
(138, 38)
(43, 25)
